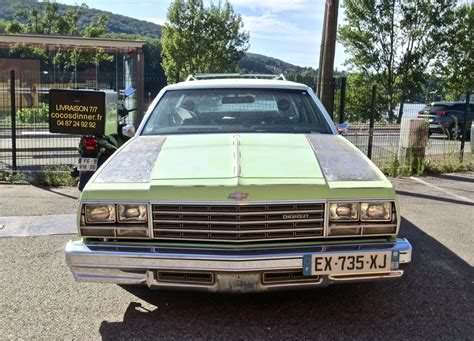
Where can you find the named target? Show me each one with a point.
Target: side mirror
(129, 91)
(128, 130)
(342, 128)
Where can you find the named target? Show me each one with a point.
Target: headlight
(132, 214)
(344, 211)
(100, 213)
(376, 211)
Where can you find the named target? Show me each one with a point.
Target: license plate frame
(343, 263)
(87, 164)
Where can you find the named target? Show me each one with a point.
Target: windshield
(236, 111)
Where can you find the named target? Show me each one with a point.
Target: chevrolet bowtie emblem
(238, 196)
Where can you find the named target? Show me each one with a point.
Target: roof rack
(200, 76)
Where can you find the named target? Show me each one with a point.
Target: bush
(33, 115)
(55, 176)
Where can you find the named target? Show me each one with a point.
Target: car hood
(241, 159)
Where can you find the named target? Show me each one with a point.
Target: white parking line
(445, 191)
(25, 226)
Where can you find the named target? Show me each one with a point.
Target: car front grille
(238, 223)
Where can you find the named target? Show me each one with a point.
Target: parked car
(448, 118)
(237, 185)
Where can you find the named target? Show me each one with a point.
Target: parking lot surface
(434, 300)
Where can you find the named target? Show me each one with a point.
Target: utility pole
(326, 60)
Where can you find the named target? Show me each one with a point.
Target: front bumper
(218, 270)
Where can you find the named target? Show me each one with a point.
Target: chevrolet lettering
(237, 183)
(296, 216)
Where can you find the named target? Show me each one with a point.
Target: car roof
(446, 103)
(237, 83)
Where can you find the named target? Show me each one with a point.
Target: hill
(250, 63)
(117, 23)
(257, 63)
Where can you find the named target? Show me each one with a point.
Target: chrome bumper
(216, 270)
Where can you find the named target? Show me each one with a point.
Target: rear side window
(438, 107)
(459, 107)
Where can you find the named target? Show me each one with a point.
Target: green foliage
(30, 115)
(16, 177)
(457, 63)
(448, 163)
(395, 41)
(257, 63)
(359, 98)
(33, 115)
(48, 19)
(3, 26)
(59, 175)
(201, 39)
(116, 23)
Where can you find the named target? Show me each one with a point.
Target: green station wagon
(237, 185)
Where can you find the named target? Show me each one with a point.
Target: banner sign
(80, 112)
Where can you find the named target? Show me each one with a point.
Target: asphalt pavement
(434, 300)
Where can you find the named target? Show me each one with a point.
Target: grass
(16, 177)
(448, 163)
(58, 175)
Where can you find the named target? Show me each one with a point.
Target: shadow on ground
(433, 300)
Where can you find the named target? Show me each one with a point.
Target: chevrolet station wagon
(236, 184)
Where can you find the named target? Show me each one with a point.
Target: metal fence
(27, 145)
(386, 142)
(25, 141)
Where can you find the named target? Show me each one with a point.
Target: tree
(395, 41)
(457, 62)
(49, 20)
(359, 98)
(201, 39)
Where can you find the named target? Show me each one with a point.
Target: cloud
(271, 27)
(157, 21)
(273, 5)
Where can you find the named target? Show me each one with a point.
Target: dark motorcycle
(95, 150)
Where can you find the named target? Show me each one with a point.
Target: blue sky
(286, 29)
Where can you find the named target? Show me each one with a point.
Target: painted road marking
(445, 191)
(44, 225)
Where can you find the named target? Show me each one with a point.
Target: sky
(289, 30)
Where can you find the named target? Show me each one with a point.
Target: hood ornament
(238, 196)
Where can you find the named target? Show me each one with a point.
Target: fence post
(371, 122)
(13, 117)
(342, 100)
(463, 139)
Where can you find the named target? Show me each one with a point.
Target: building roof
(69, 42)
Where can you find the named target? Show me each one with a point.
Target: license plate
(343, 263)
(87, 164)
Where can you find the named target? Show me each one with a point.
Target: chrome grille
(238, 223)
